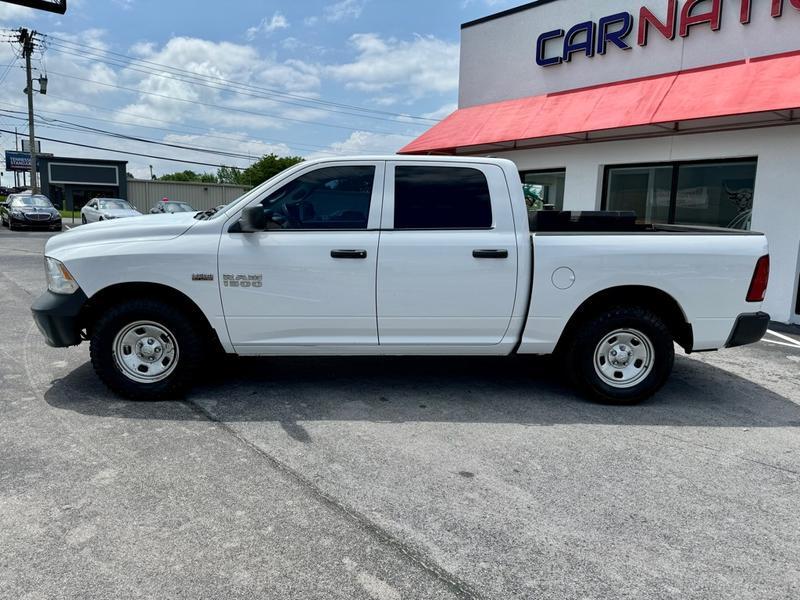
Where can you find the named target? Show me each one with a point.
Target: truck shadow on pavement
(518, 390)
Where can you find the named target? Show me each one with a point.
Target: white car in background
(106, 209)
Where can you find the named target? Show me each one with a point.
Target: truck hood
(134, 229)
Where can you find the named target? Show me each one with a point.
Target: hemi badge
(202, 277)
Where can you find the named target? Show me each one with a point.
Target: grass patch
(70, 214)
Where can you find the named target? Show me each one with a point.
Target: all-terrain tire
(181, 333)
(638, 338)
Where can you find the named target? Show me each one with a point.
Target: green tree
(189, 176)
(230, 175)
(265, 168)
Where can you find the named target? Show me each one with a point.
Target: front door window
(329, 199)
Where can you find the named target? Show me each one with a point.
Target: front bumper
(35, 224)
(749, 329)
(57, 317)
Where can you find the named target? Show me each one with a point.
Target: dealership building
(685, 111)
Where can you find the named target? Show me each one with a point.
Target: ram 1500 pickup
(399, 256)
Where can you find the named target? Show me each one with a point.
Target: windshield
(34, 201)
(108, 204)
(176, 207)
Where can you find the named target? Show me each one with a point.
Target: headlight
(59, 279)
(16, 213)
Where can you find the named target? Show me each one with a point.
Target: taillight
(758, 285)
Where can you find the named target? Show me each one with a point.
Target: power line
(227, 108)
(83, 47)
(78, 128)
(233, 88)
(204, 132)
(178, 160)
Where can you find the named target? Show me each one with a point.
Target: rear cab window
(434, 197)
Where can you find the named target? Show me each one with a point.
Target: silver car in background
(105, 209)
(171, 207)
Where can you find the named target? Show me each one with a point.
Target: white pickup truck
(399, 256)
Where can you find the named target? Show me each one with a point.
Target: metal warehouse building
(686, 111)
(72, 182)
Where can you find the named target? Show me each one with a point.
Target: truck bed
(613, 222)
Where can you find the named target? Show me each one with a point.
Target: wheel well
(123, 292)
(654, 299)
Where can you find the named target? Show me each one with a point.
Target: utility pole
(26, 39)
(16, 147)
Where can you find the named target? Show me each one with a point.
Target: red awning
(657, 104)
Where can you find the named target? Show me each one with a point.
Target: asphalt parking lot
(392, 478)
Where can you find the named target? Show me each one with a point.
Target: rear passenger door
(447, 260)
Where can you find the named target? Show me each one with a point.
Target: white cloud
(410, 69)
(441, 112)
(342, 10)
(363, 142)
(268, 25)
(14, 11)
(224, 62)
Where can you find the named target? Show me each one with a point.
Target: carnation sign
(590, 38)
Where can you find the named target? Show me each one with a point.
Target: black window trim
(542, 171)
(676, 166)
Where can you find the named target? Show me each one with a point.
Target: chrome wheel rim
(624, 358)
(145, 352)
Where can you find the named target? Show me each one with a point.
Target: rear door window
(441, 198)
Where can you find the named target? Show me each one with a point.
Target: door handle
(354, 254)
(497, 254)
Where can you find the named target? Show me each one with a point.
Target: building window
(710, 193)
(544, 189)
(441, 198)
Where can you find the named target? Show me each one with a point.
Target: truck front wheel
(146, 350)
(621, 356)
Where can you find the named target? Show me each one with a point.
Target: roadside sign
(26, 146)
(18, 161)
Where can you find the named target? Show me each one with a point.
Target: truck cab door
(448, 259)
(306, 284)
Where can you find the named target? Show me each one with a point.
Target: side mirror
(253, 220)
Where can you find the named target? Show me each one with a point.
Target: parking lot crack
(16, 285)
(460, 588)
(722, 453)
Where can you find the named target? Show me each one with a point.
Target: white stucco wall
(776, 209)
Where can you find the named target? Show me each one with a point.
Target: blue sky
(284, 77)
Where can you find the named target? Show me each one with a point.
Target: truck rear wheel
(621, 356)
(146, 350)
